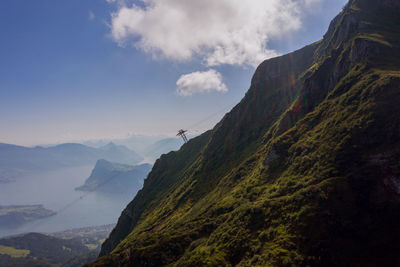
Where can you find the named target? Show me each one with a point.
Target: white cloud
(91, 15)
(200, 82)
(232, 32)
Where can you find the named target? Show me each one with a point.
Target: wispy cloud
(200, 82)
(92, 16)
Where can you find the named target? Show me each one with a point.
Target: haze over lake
(55, 190)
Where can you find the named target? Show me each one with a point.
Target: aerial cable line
(184, 137)
(193, 126)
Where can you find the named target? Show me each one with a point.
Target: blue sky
(68, 72)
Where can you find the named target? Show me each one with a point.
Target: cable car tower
(182, 134)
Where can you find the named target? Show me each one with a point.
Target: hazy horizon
(86, 141)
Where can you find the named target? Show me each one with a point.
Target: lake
(55, 190)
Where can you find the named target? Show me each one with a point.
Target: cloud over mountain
(200, 82)
(231, 32)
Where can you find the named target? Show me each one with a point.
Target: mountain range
(150, 147)
(304, 171)
(14, 159)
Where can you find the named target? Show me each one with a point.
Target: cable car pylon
(182, 134)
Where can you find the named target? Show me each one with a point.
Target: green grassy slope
(304, 171)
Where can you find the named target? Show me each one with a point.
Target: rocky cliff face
(304, 171)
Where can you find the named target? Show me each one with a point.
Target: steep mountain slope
(304, 171)
(116, 178)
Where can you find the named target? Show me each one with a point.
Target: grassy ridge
(303, 172)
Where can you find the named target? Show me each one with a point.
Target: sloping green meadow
(304, 171)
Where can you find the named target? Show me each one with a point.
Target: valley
(72, 248)
(100, 197)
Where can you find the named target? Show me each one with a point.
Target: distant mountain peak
(105, 164)
(115, 177)
(102, 163)
(62, 155)
(110, 144)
